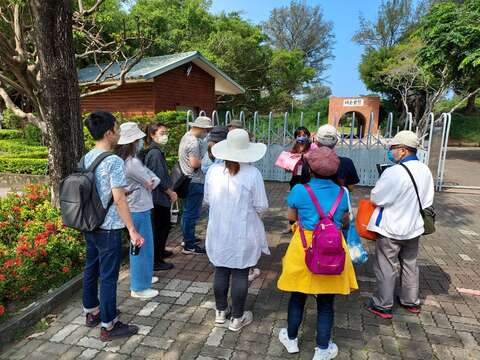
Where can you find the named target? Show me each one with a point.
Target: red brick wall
(336, 110)
(129, 99)
(174, 88)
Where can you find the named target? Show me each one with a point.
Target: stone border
(38, 309)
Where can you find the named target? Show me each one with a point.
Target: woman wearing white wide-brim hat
(140, 183)
(236, 237)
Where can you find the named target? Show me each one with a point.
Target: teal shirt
(326, 192)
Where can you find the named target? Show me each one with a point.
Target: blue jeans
(104, 255)
(324, 316)
(191, 213)
(141, 265)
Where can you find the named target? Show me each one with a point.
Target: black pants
(161, 228)
(239, 291)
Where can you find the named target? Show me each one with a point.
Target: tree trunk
(471, 107)
(60, 94)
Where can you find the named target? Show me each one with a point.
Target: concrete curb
(38, 309)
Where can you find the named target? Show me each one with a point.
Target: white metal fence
(366, 149)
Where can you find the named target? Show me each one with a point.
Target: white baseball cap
(327, 135)
(407, 138)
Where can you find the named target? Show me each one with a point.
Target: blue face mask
(302, 139)
(390, 156)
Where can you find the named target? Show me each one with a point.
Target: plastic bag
(358, 254)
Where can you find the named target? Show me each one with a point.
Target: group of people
(138, 191)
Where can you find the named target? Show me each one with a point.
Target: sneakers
(196, 250)
(290, 345)
(383, 313)
(326, 354)
(92, 320)
(238, 324)
(144, 294)
(162, 265)
(221, 316)
(253, 274)
(166, 254)
(414, 309)
(197, 240)
(154, 279)
(119, 330)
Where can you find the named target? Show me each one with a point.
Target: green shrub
(465, 127)
(37, 252)
(24, 166)
(10, 134)
(10, 120)
(32, 135)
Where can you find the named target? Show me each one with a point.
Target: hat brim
(252, 154)
(200, 126)
(131, 138)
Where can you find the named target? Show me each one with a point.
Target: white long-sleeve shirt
(235, 233)
(397, 215)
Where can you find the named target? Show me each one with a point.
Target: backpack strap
(336, 203)
(415, 186)
(96, 162)
(302, 234)
(315, 201)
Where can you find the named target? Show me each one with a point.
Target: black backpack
(80, 203)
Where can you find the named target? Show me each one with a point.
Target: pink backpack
(326, 256)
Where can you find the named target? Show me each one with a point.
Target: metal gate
(366, 150)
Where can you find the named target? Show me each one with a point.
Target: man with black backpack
(104, 244)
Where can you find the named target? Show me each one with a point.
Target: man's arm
(195, 162)
(120, 200)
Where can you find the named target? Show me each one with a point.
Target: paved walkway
(179, 324)
(462, 166)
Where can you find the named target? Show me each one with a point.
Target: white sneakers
(290, 345)
(326, 354)
(221, 316)
(154, 279)
(253, 274)
(320, 354)
(144, 294)
(238, 324)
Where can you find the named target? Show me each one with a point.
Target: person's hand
(173, 196)
(150, 184)
(136, 238)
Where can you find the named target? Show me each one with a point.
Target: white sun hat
(130, 132)
(238, 148)
(407, 138)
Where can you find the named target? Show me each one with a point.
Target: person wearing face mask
(163, 195)
(190, 154)
(301, 173)
(398, 222)
(140, 183)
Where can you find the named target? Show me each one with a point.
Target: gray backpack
(80, 203)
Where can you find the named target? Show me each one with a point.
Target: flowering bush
(37, 252)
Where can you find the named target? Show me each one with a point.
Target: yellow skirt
(296, 277)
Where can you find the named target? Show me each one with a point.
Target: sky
(342, 76)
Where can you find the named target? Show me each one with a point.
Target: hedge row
(23, 166)
(8, 134)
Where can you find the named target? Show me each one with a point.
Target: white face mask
(140, 145)
(161, 139)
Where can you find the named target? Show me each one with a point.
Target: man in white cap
(327, 135)
(190, 154)
(398, 222)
